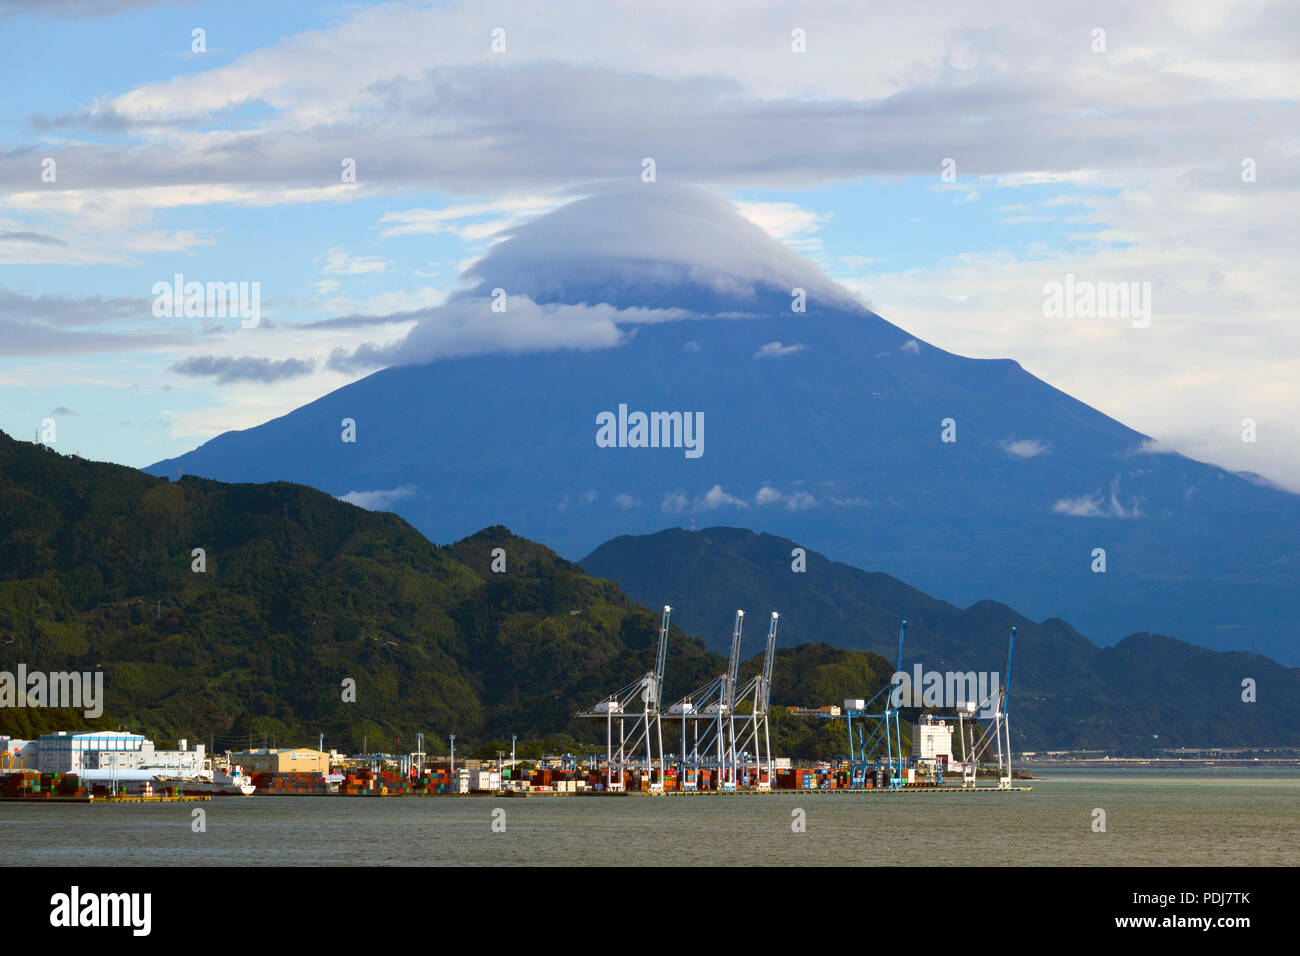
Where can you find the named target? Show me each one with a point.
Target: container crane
(758, 690)
(999, 730)
(733, 670)
(895, 744)
(870, 732)
(1003, 721)
(714, 706)
(646, 730)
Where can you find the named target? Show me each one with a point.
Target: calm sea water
(1154, 817)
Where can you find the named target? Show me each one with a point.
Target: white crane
(758, 690)
(713, 704)
(999, 730)
(733, 669)
(646, 729)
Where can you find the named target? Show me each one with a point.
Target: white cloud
(615, 240)
(469, 326)
(673, 235)
(109, 225)
(1097, 505)
(346, 70)
(1025, 448)
(568, 106)
(799, 500)
(394, 302)
(715, 497)
(794, 501)
(674, 503)
(489, 218)
(378, 500)
(626, 501)
(787, 222)
(1222, 345)
(777, 350)
(911, 347)
(1083, 507)
(340, 262)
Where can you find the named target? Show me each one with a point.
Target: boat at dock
(232, 783)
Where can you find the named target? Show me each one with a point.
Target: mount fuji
(516, 403)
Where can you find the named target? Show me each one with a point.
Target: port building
(17, 754)
(111, 750)
(295, 760)
(932, 739)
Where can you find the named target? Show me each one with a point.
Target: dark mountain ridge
(1145, 693)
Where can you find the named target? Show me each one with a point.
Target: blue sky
(1119, 164)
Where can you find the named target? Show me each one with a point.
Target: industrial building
(63, 752)
(111, 750)
(16, 754)
(932, 739)
(295, 760)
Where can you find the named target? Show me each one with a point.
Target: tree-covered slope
(301, 592)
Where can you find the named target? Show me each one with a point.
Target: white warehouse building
(63, 752)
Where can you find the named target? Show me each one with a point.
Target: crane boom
(902, 633)
(1011, 644)
(661, 658)
(897, 743)
(767, 662)
(733, 665)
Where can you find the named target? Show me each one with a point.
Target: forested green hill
(302, 591)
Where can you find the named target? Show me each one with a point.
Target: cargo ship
(233, 783)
